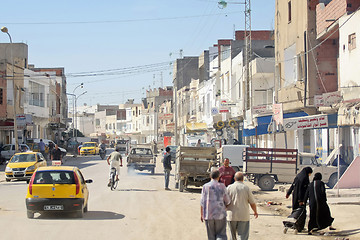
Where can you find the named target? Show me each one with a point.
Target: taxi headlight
(8, 169)
(31, 168)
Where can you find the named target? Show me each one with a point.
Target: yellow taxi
(89, 148)
(22, 165)
(57, 189)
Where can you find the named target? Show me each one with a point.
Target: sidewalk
(343, 196)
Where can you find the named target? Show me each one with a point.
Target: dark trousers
(216, 229)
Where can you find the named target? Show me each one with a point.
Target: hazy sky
(89, 36)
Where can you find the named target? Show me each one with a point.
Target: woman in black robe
(298, 190)
(299, 187)
(320, 216)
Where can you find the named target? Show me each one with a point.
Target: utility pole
(5, 30)
(248, 54)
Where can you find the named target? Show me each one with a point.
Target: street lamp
(5, 30)
(81, 85)
(76, 98)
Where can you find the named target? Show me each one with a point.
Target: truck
(265, 166)
(193, 165)
(123, 146)
(234, 153)
(141, 157)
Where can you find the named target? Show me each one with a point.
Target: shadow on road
(102, 215)
(193, 190)
(341, 233)
(136, 190)
(90, 215)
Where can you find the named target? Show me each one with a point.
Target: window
(1, 96)
(352, 41)
(289, 11)
(97, 122)
(36, 94)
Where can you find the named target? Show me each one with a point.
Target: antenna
(161, 80)
(234, 31)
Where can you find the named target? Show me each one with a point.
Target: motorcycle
(102, 153)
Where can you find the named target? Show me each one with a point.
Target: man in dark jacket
(167, 167)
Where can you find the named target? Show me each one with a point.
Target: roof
(25, 153)
(65, 168)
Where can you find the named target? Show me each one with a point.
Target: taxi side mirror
(89, 181)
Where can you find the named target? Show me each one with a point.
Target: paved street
(139, 209)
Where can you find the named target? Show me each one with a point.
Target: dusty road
(139, 209)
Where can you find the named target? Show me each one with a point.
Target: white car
(8, 150)
(47, 141)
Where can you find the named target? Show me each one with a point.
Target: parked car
(89, 148)
(9, 150)
(22, 165)
(57, 189)
(35, 145)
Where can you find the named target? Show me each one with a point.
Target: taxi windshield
(89, 145)
(23, 158)
(54, 177)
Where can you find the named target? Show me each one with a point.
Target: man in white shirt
(238, 216)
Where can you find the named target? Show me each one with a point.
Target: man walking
(238, 210)
(56, 154)
(167, 167)
(226, 173)
(42, 147)
(214, 199)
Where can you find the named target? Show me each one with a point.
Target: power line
(118, 21)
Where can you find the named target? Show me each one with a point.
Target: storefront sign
(224, 107)
(327, 99)
(278, 115)
(261, 109)
(310, 122)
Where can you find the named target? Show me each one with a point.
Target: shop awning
(196, 127)
(263, 124)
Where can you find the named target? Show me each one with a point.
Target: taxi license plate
(53, 207)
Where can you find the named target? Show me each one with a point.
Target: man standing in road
(226, 173)
(56, 154)
(115, 161)
(167, 167)
(214, 199)
(42, 147)
(238, 210)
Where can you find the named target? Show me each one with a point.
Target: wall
(349, 60)
(334, 10)
(287, 33)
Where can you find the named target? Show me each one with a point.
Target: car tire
(181, 185)
(152, 171)
(28, 181)
(30, 214)
(266, 183)
(8, 180)
(332, 180)
(86, 208)
(80, 213)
